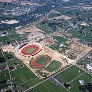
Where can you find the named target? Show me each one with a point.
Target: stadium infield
(30, 49)
(40, 61)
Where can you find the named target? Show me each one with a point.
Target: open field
(21, 76)
(71, 75)
(44, 87)
(54, 65)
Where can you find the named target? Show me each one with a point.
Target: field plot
(21, 76)
(44, 87)
(15, 36)
(41, 61)
(86, 63)
(54, 65)
(76, 85)
(70, 73)
(3, 79)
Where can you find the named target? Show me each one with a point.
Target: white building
(5, 0)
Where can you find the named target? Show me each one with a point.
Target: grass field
(30, 50)
(54, 65)
(75, 84)
(21, 76)
(41, 60)
(48, 87)
(70, 73)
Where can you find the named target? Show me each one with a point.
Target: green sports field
(54, 65)
(70, 73)
(41, 60)
(30, 50)
(48, 86)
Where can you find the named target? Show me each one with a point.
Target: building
(5, 0)
(89, 67)
(81, 82)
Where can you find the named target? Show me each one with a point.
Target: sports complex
(39, 58)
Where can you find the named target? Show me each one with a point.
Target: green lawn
(24, 76)
(62, 90)
(47, 86)
(75, 84)
(32, 82)
(41, 60)
(70, 73)
(30, 50)
(19, 75)
(12, 61)
(53, 66)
